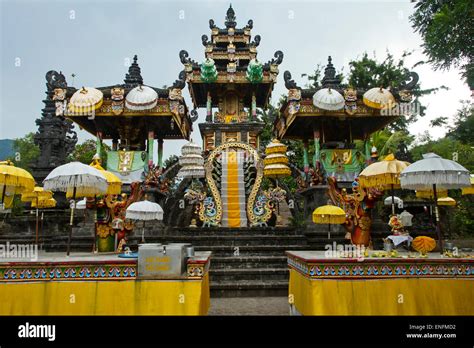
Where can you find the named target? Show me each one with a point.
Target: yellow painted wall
(129, 297)
(421, 296)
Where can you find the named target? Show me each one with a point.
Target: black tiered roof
(134, 77)
(366, 120)
(217, 48)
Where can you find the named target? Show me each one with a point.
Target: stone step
(249, 288)
(223, 240)
(252, 274)
(257, 250)
(225, 203)
(223, 231)
(226, 262)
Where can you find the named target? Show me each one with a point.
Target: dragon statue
(358, 206)
(111, 213)
(205, 206)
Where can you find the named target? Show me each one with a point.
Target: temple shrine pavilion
(334, 116)
(231, 83)
(132, 115)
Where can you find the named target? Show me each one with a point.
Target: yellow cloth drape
(130, 297)
(233, 205)
(420, 296)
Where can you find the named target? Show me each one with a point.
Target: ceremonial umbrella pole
(43, 203)
(385, 174)
(447, 202)
(144, 211)
(433, 173)
(79, 178)
(329, 214)
(38, 194)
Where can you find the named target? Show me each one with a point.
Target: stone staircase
(244, 262)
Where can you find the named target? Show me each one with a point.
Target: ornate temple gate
(234, 173)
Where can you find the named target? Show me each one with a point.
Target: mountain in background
(6, 149)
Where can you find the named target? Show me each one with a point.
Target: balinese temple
(231, 83)
(132, 115)
(334, 116)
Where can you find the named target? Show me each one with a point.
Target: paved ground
(249, 306)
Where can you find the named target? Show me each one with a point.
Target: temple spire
(133, 78)
(330, 79)
(230, 18)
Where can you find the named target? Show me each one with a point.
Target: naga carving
(357, 206)
(260, 205)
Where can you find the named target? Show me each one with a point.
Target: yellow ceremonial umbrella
(430, 194)
(16, 180)
(35, 197)
(447, 201)
(38, 193)
(329, 214)
(44, 203)
(384, 174)
(469, 190)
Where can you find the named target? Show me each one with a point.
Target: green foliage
(313, 80)
(447, 30)
(463, 129)
(445, 148)
(170, 161)
(463, 215)
(18, 207)
(386, 142)
(84, 152)
(457, 140)
(369, 73)
(439, 121)
(268, 118)
(297, 220)
(26, 151)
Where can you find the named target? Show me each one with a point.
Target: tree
(446, 147)
(463, 128)
(386, 142)
(369, 73)
(85, 151)
(268, 118)
(25, 151)
(447, 29)
(313, 80)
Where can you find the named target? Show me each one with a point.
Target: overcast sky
(96, 40)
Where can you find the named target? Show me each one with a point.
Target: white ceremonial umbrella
(145, 211)
(434, 172)
(75, 176)
(328, 99)
(392, 200)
